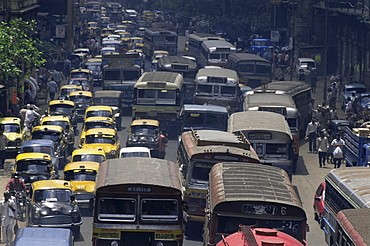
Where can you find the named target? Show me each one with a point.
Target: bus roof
(237, 57)
(286, 87)
(138, 170)
(172, 79)
(218, 72)
(213, 137)
(159, 31)
(258, 121)
(240, 181)
(205, 108)
(355, 222)
(268, 100)
(217, 43)
(204, 36)
(354, 182)
(176, 60)
(107, 93)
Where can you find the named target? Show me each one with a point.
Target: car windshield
(365, 100)
(63, 124)
(356, 90)
(82, 83)
(52, 195)
(80, 99)
(94, 68)
(11, 128)
(135, 154)
(61, 109)
(105, 139)
(54, 136)
(33, 166)
(144, 130)
(80, 175)
(65, 92)
(89, 157)
(38, 149)
(79, 75)
(98, 113)
(99, 124)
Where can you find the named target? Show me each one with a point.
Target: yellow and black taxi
(125, 38)
(95, 66)
(104, 138)
(92, 25)
(14, 131)
(89, 154)
(129, 25)
(64, 107)
(82, 100)
(82, 73)
(105, 32)
(104, 21)
(64, 122)
(144, 133)
(82, 176)
(136, 43)
(55, 134)
(93, 123)
(99, 111)
(53, 205)
(66, 89)
(33, 167)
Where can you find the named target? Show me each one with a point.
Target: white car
(134, 152)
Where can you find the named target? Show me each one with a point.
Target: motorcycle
(21, 201)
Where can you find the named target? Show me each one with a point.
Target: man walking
(337, 145)
(3, 146)
(311, 134)
(8, 215)
(322, 148)
(53, 87)
(162, 144)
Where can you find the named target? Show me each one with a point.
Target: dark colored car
(318, 203)
(348, 89)
(336, 126)
(53, 205)
(362, 102)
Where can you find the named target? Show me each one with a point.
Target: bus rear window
(159, 210)
(117, 209)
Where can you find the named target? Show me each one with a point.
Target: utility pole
(325, 51)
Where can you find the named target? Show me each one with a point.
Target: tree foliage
(18, 52)
(237, 17)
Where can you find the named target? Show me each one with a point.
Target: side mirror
(116, 115)
(72, 198)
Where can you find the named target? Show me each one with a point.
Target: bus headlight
(114, 243)
(160, 243)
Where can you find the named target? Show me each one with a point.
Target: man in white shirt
(8, 212)
(311, 134)
(3, 146)
(30, 117)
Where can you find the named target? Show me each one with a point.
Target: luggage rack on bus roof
(213, 137)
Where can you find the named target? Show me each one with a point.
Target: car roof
(134, 149)
(99, 118)
(36, 156)
(103, 131)
(4, 120)
(56, 118)
(95, 151)
(48, 128)
(56, 102)
(51, 184)
(82, 93)
(82, 165)
(99, 107)
(145, 122)
(348, 86)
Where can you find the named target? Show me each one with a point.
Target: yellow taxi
(105, 32)
(104, 138)
(81, 175)
(65, 90)
(121, 27)
(55, 134)
(82, 73)
(104, 21)
(99, 111)
(148, 15)
(14, 131)
(156, 55)
(136, 43)
(33, 166)
(89, 154)
(53, 205)
(64, 107)
(64, 122)
(92, 25)
(95, 122)
(125, 37)
(82, 100)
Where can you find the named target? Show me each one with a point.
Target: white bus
(215, 53)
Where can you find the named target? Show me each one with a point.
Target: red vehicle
(246, 236)
(318, 203)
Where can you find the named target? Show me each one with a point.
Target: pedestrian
(67, 67)
(322, 148)
(329, 98)
(3, 145)
(337, 145)
(57, 77)
(53, 87)
(8, 215)
(30, 117)
(348, 111)
(334, 92)
(313, 82)
(162, 144)
(28, 96)
(187, 33)
(311, 134)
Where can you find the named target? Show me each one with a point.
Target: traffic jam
(152, 135)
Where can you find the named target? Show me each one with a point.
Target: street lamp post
(325, 51)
